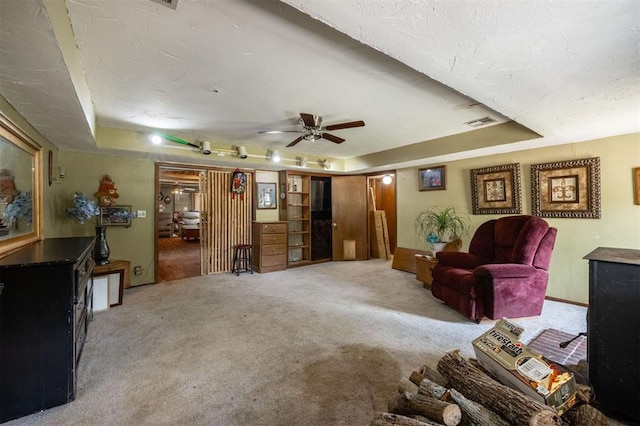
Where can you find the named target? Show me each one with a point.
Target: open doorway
(178, 223)
(382, 197)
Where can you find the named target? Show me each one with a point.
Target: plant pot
(436, 247)
(101, 248)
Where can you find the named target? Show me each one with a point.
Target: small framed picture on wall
(432, 178)
(266, 195)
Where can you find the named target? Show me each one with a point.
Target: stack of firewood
(461, 392)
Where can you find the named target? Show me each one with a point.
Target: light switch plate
(142, 213)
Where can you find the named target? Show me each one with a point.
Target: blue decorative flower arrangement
(21, 208)
(432, 238)
(84, 209)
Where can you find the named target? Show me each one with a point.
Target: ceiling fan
(313, 129)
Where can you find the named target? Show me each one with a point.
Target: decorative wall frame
(266, 195)
(21, 213)
(496, 190)
(636, 184)
(566, 189)
(115, 216)
(432, 178)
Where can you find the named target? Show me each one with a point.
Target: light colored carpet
(319, 345)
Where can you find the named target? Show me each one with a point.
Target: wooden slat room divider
(228, 220)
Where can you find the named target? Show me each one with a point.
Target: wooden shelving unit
(296, 211)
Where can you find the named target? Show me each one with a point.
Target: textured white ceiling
(223, 70)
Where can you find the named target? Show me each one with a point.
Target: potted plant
(435, 226)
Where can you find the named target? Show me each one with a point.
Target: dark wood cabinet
(45, 307)
(613, 343)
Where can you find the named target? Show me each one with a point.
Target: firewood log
(586, 415)
(433, 375)
(385, 419)
(514, 406)
(431, 389)
(584, 393)
(406, 385)
(416, 378)
(442, 412)
(474, 414)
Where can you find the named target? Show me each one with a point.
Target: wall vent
(479, 122)
(172, 4)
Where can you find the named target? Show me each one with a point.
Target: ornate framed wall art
(566, 189)
(432, 178)
(636, 184)
(496, 190)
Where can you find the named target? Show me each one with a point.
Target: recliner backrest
(520, 239)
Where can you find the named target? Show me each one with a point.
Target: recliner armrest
(458, 259)
(504, 270)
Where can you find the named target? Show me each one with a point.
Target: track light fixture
(274, 156)
(325, 164)
(242, 152)
(206, 147)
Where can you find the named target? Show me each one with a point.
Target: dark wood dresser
(269, 246)
(45, 306)
(613, 329)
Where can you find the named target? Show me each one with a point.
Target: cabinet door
(349, 215)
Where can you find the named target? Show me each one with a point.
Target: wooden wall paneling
(205, 219)
(230, 219)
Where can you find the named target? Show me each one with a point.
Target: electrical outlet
(142, 213)
(137, 270)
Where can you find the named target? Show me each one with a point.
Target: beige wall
(619, 225)
(134, 178)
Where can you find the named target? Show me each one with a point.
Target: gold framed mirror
(20, 188)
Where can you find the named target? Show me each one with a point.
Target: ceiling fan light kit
(312, 129)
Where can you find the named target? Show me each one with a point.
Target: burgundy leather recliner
(504, 275)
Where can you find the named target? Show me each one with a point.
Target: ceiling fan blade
(348, 125)
(295, 141)
(280, 131)
(308, 119)
(332, 138)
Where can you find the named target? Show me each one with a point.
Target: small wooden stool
(242, 259)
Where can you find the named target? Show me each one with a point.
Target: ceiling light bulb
(156, 139)
(387, 179)
(275, 156)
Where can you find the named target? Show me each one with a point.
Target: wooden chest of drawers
(269, 246)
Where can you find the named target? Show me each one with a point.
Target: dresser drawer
(81, 309)
(83, 274)
(276, 260)
(273, 249)
(273, 228)
(274, 239)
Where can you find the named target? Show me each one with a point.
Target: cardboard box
(515, 365)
